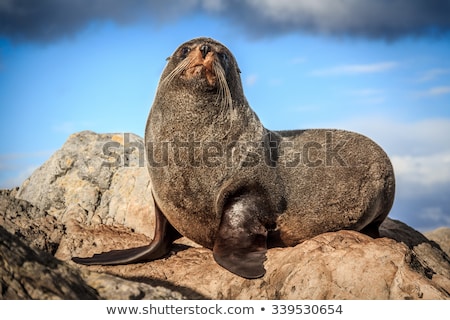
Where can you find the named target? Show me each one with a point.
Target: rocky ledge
(92, 195)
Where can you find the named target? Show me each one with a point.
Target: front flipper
(164, 235)
(241, 242)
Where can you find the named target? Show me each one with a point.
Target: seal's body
(222, 179)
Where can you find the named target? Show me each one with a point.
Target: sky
(380, 68)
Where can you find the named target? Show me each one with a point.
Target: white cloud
(436, 91)
(366, 92)
(251, 79)
(65, 127)
(17, 178)
(16, 167)
(368, 96)
(355, 69)
(275, 82)
(401, 138)
(70, 127)
(433, 74)
(13, 159)
(426, 170)
(435, 214)
(298, 60)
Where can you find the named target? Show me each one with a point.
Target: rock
(95, 179)
(93, 195)
(441, 236)
(27, 273)
(115, 288)
(435, 261)
(337, 265)
(31, 224)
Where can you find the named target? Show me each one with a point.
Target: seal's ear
(241, 242)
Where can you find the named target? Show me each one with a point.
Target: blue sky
(385, 76)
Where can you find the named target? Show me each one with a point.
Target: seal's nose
(205, 49)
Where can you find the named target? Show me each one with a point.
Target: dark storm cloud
(388, 19)
(46, 20)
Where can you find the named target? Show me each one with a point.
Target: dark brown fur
(223, 180)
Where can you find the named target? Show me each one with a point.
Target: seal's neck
(186, 111)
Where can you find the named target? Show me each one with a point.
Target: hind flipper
(164, 235)
(241, 242)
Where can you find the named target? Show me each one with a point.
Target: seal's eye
(223, 59)
(223, 56)
(184, 52)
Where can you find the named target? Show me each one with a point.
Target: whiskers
(224, 99)
(179, 69)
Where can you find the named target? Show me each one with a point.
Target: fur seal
(226, 182)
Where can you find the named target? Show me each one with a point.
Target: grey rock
(94, 179)
(27, 273)
(33, 225)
